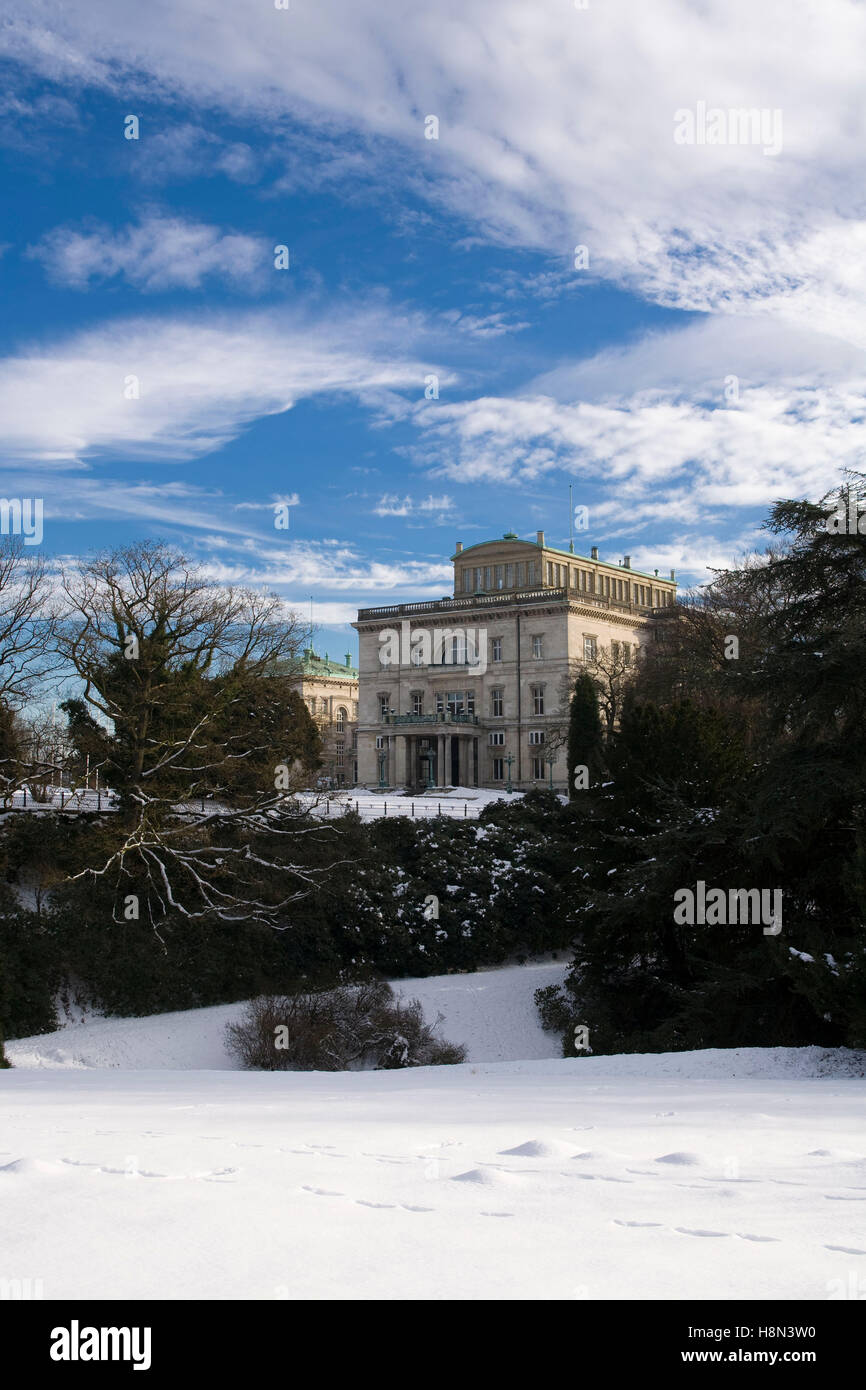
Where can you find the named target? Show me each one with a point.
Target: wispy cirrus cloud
(556, 124)
(175, 388)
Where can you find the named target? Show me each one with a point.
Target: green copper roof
(311, 664)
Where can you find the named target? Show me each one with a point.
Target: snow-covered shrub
(361, 1027)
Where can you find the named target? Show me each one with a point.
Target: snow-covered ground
(491, 1013)
(465, 802)
(733, 1174)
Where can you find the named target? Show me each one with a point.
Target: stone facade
(450, 690)
(330, 692)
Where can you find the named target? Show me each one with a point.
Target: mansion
(471, 690)
(330, 692)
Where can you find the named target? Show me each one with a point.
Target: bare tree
(188, 675)
(612, 670)
(27, 659)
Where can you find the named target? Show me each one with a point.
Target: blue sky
(706, 358)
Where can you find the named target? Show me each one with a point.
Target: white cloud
(390, 504)
(277, 500)
(159, 253)
(200, 381)
(556, 124)
(332, 567)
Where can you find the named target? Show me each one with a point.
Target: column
(400, 742)
(368, 765)
(440, 760)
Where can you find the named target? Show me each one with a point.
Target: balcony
(445, 718)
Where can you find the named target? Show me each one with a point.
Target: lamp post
(550, 761)
(428, 758)
(509, 759)
(382, 761)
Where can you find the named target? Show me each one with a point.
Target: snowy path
(593, 1178)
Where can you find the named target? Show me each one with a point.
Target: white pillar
(399, 760)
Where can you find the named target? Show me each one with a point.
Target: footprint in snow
(846, 1249)
(684, 1231)
(637, 1223)
(685, 1160)
(322, 1191)
(377, 1206)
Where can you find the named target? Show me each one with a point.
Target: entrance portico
(451, 750)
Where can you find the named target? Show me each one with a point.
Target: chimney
(673, 576)
(539, 538)
(593, 554)
(348, 658)
(626, 564)
(459, 547)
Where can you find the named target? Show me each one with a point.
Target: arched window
(341, 719)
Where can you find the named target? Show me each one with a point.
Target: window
(550, 572)
(498, 769)
(520, 575)
(537, 773)
(440, 703)
(538, 646)
(536, 736)
(496, 738)
(340, 750)
(499, 576)
(496, 649)
(537, 692)
(384, 705)
(467, 581)
(477, 580)
(509, 576)
(496, 704)
(417, 702)
(487, 576)
(381, 741)
(614, 650)
(590, 648)
(454, 701)
(341, 719)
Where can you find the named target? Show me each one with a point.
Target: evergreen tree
(584, 733)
